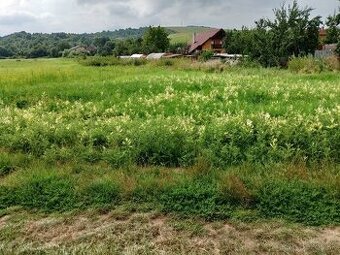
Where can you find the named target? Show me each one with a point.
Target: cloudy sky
(97, 15)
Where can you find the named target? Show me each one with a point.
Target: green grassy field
(244, 145)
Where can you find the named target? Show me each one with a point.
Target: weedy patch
(239, 143)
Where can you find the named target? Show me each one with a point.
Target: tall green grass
(295, 192)
(75, 136)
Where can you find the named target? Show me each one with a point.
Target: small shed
(174, 56)
(124, 57)
(156, 56)
(137, 56)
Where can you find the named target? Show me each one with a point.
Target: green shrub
(6, 166)
(206, 55)
(7, 197)
(307, 65)
(234, 191)
(50, 193)
(163, 62)
(332, 63)
(246, 62)
(163, 148)
(102, 192)
(211, 66)
(195, 198)
(299, 201)
(111, 61)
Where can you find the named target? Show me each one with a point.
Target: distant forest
(27, 45)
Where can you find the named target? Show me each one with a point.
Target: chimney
(194, 38)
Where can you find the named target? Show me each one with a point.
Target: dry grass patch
(120, 233)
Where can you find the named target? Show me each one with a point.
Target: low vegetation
(313, 65)
(242, 143)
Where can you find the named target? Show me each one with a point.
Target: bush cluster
(111, 61)
(312, 65)
(212, 196)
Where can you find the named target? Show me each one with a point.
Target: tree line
(292, 32)
(119, 42)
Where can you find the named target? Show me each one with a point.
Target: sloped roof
(155, 55)
(137, 56)
(203, 37)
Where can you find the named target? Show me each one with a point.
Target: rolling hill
(184, 34)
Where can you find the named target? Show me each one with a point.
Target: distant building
(138, 56)
(211, 40)
(327, 50)
(156, 55)
(322, 34)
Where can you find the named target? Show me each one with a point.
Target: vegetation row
(291, 192)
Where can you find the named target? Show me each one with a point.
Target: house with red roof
(211, 40)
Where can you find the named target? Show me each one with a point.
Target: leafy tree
(206, 55)
(38, 52)
(295, 33)
(333, 31)
(178, 48)
(5, 53)
(156, 40)
(26, 45)
(128, 47)
(120, 49)
(104, 46)
(292, 33)
(238, 41)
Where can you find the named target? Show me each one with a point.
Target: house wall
(209, 45)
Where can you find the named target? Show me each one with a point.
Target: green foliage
(156, 39)
(178, 48)
(5, 53)
(48, 193)
(75, 137)
(111, 61)
(101, 193)
(161, 147)
(123, 115)
(195, 198)
(333, 30)
(5, 165)
(26, 45)
(244, 193)
(206, 55)
(292, 33)
(104, 46)
(306, 65)
(332, 63)
(295, 33)
(238, 41)
(128, 47)
(299, 201)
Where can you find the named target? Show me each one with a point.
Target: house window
(216, 44)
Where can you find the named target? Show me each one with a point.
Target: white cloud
(97, 15)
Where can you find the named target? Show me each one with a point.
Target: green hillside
(184, 34)
(27, 45)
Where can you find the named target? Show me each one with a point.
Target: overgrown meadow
(234, 143)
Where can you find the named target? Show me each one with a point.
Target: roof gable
(202, 38)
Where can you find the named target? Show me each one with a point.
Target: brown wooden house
(211, 40)
(322, 34)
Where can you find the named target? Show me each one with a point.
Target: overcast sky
(97, 15)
